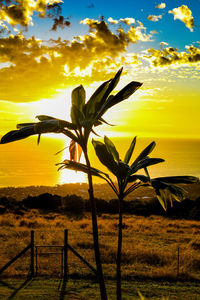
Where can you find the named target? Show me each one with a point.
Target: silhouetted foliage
(73, 203)
(43, 201)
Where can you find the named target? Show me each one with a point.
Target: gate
(39, 250)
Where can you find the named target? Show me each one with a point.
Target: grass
(150, 245)
(52, 289)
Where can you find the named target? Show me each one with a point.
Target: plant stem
(95, 231)
(119, 249)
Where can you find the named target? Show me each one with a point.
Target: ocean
(23, 163)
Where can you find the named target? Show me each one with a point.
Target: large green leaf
(47, 126)
(45, 118)
(76, 166)
(77, 116)
(62, 123)
(113, 83)
(16, 135)
(28, 129)
(144, 163)
(97, 100)
(23, 125)
(142, 178)
(31, 129)
(144, 153)
(92, 106)
(178, 179)
(123, 94)
(78, 97)
(105, 156)
(111, 148)
(130, 151)
(166, 192)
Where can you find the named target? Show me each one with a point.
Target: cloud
(184, 14)
(37, 69)
(171, 56)
(20, 12)
(161, 5)
(154, 18)
(60, 22)
(163, 44)
(111, 20)
(127, 21)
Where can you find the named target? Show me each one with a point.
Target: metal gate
(51, 250)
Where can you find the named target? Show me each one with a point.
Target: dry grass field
(150, 245)
(150, 260)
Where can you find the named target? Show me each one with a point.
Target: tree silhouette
(84, 116)
(128, 181)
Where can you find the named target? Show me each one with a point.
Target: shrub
(73, 203)
(43, 201)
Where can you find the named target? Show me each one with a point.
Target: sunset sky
(49, 47)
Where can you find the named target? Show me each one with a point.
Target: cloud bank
(36, 69)
(171, 56)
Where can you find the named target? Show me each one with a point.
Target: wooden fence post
(32, 254)
(66, 253)
(178, 261)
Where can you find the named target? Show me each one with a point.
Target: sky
(47, 48)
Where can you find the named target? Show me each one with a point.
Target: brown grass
(149, 244)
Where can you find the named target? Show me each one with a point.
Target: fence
(35, 253)
(40, 259)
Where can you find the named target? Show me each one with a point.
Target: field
(150, 252)
(160, 256)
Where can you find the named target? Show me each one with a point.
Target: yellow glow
(86, 72)
(77, 72)
(70, 176)
(56, 54)
(66, 69)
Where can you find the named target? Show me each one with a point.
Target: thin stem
(119, 249)
(95, 230)
(111, 184)
(132, 188)
(70, 135)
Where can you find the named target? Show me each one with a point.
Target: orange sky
(157, 44)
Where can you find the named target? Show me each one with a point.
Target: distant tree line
(76, 205)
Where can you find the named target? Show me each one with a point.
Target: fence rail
(34, 254)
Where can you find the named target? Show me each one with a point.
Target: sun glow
(70, 176)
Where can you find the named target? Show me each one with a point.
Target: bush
(43, 201)
(194, 213)
(73, 203)
(9, 203)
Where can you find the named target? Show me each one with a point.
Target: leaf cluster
(84, 115)
(126, 173)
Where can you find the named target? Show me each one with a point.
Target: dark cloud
(60, 22)
(20, 12)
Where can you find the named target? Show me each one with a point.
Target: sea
(23, 163)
